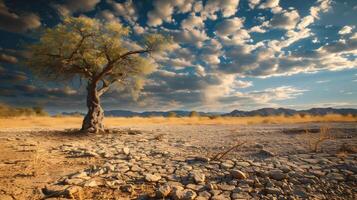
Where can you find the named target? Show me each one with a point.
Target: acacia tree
(96, 52)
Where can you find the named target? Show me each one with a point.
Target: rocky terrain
(182, 162)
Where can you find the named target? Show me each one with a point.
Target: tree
(96, 52)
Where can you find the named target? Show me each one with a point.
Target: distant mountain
(234, 113)
(126, 113)
(290, 112)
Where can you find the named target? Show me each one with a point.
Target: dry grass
(75, 122)
(316, 139)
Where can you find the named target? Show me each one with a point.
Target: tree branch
(110, 65)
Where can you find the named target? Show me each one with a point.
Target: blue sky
(227, 54)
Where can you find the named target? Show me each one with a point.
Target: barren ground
(276, 160)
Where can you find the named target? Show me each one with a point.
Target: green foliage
(194, 114)
(9, 111)
(172, 114)
(96, 51)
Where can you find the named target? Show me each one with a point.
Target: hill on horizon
(234, 113)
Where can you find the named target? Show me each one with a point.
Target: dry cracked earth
(181, 162)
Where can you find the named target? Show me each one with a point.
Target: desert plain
(179, 158)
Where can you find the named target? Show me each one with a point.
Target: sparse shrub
(302, 115)
(316, 139)
(194, 114)
(214, 117)
(172, 114)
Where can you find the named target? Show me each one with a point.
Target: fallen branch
(220, 155)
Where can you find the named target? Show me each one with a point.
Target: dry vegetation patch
(75, 121)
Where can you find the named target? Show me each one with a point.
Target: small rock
(267, 153)
(238, 174)
(227, 165)
(163, 191)
(188, 194)
(198, 177)
(73, 181)
(91, 183)
(152, 177)
(277, 175)
(127, 188)
(201, 159)
(61, 191)
(126, 150)
(226, 187)
(80, 175)
(272, 190)
(243, 164)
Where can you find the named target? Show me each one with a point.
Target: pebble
(238, 174)
(152, 177)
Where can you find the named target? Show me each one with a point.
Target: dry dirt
(33, 158)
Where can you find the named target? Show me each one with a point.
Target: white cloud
(108, 16)
(163, 10)
(253, 3)
(228, 8)
(229, 26)
(126, 10)
(257, 29)
(242, 84)
(192, 22)
(346, 30)
(69, 7)
(271, 4)
(13, 22)
(285, 20)
(193, 36)
(276, 94)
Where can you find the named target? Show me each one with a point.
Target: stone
(266, 153)
(277, 175)
(201, 159)
(73, 181)
(194, 187)
(126, 150)
(80, 175)
(243, 164)
(152, 177)
(91, 183)
(226, 187)
(205, 194)
(227, 165)
(238, 174)
(198, 177)
(61, 191)
(163, 191)
(127, 188)
(188, 194)
(272, 190)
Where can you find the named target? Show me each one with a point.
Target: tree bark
(93, 121)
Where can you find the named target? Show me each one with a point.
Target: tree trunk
(93, 121)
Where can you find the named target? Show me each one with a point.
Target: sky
(226, 54)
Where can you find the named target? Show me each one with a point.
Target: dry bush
(9, 111)
(316, 139)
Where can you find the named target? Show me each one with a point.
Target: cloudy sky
(227, 54)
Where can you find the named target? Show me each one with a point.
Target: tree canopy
(90, 49)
